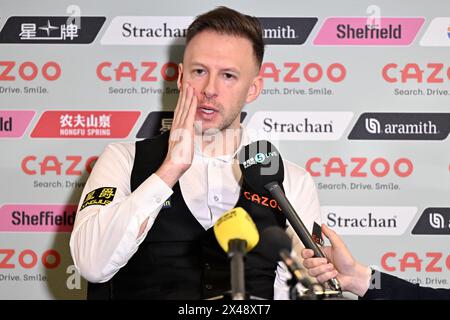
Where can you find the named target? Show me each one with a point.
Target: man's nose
(210, 88)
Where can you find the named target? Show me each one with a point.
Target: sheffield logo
(351, 31)
(291, 125)
(401, 126)
(437, 34)
(141, 30)
(433, 221)
(279, 30)
(51, 29)
(368, 220)
(13, 123)
(37, 217)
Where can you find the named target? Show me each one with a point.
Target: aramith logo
(141, 30)
(51, 29)
(401, 126)
(278, 30)
(433, 221)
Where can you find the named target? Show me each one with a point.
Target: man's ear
(255, 89)
(180, 76)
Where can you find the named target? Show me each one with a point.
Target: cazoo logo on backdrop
(70, 165)
(11, 70)
(303, 72)
(359, 167)
(368, 220)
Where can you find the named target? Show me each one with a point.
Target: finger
(187, 103)
(179, 107)
(307, 253)
(327, 276)
(335, 240)
(192, 110)
(317, 271)
(314, 262)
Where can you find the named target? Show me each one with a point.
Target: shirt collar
(245, 139)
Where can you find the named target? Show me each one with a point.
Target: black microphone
(262, 169)
(274, 244)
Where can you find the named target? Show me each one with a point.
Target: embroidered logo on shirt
(167, 204)
(317, 234)
(100, 196)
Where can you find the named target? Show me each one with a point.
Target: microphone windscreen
(236, 224)
(273, 239)
(261, 163)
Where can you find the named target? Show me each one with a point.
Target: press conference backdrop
(356, 92)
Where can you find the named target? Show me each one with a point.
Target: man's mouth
(207, 109)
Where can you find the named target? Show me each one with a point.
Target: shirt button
(208, 286)
(158, 199)
(216, 198)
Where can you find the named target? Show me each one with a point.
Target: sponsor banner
(158, 122)
(401, 126)
(85, 124)
(437, 34)
(293, 125)
(147, 31)
(13, 123)
(385, 221)
(58, 30)
(433, 221)
(362, 31)
(279, 30)
(37, 217)
(435, 262)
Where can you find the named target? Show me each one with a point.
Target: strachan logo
(292, 125)
(141, 30)
(279, 30)
(433, 221)
(368, 220)
(51, 29)
(401, 126)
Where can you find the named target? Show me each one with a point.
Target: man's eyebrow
(229, 69)
(233, 70)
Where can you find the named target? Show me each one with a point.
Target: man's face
(224, 73)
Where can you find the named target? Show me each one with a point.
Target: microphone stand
(236, 251)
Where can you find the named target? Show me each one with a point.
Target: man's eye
(229, 75)
(199, 71)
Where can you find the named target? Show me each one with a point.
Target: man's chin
(206, 128)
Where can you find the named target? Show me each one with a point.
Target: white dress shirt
(104, 237)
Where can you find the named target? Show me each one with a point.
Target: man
(144, 225)
(360, 279)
